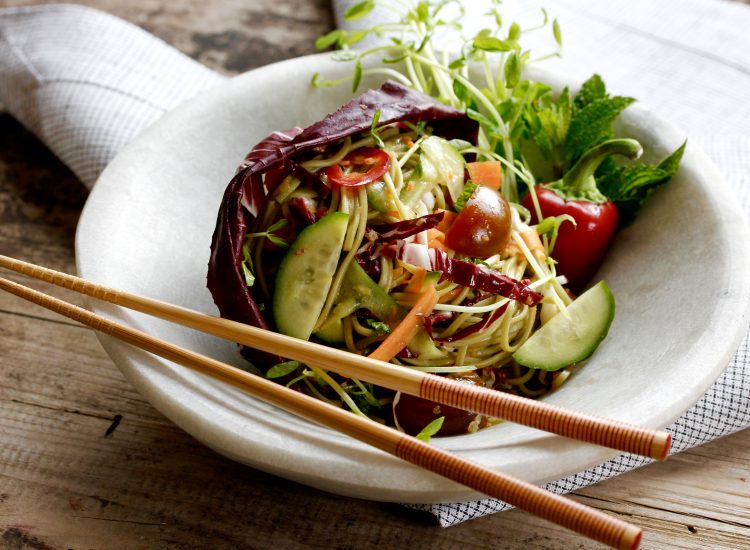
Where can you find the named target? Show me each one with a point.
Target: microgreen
(410, 57)
(374, 132)
(247, 264)
(283, 369)
(359, 10)
(431, 429)
(378, 326)
(269, 234)
(550, 226)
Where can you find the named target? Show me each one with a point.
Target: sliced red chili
(360, 167)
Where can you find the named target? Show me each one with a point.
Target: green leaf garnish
(551, 226)
(512, 70)
(373, 130)
(431, 429)
(328, 40)
(514, 33)
(282, 369)
(247, 263)
(378, 326)
(491, 44)
(556, 31)
(631, 186)
(592, 125)
(357, 75)
(359, 10)
(269, 234)
(590, 91)
(465, 195)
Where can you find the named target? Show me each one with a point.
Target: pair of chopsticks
(577, 517)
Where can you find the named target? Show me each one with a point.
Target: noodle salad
(397, 228)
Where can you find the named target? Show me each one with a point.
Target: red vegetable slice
(360, 167)
(481, 278)
(396, 231)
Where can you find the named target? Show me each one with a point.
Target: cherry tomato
(360, 167)
(482, 228)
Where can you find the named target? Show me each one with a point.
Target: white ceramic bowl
(679, 275)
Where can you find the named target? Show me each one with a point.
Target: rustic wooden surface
(85, 462)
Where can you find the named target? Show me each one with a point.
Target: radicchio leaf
(269, 161)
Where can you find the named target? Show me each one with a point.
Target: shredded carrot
(434, 234)
(532, 240)
(440, 245)
(407, 328)
(488, 173)
(448, 218)
(416, 281)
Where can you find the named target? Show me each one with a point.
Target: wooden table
(85, 462)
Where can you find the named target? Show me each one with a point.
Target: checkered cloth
(87, 83)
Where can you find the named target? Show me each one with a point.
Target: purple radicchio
(274, 157)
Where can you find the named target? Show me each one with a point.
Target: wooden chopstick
(563, 511)
(520, 410)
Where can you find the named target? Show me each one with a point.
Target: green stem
(579, 183)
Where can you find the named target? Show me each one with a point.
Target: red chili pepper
(360, 167)
(580, 249)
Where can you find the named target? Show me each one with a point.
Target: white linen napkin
(86, 83)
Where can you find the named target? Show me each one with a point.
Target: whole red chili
(580, 248)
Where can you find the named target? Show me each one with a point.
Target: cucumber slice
(377, 197)
(568, 339)
(441, 163)
(305, 275)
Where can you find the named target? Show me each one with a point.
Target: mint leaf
(592, 124)
(590, 91)
(631, 186)
(431, 429)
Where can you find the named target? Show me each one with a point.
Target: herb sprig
(521, 121)
(497, 103)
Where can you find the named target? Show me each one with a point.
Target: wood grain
(85, 462)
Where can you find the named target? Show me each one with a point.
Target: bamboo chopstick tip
(631, 538)
(660, 446)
